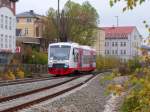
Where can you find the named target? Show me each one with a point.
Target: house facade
(99, 43)
(122, 42)
(7, 29)
(29, 24)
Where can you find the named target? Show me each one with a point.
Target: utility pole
(117, 20)
(58, 20)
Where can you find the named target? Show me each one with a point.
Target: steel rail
(7, 83)
(7, 98)
(22, 106)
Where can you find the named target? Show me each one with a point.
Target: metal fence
(32, 68)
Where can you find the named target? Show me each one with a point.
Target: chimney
(14, 0)
(31, 12)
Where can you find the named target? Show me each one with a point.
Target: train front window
(60, 52)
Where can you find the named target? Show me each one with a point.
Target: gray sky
(107, 14)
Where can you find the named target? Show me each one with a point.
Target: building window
(17, 20)
(13, 22)
(6, 38)
(2, 19)
(9, 39)
(116, 43)
(6, 22)
(26, 31)
(10, 23)
(113, 44)
(29, 20)
(135, 37)
(124, 51)
(106, 43)
(1, 45)
(121, 44)
(2, 35)
(107, 51)
(121, 52)
(124, 44)
(116, 51)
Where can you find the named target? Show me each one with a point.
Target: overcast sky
(106, 13)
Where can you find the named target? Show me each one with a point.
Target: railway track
(22, 81)
(23, 100)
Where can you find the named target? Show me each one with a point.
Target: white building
(122, 42)
(7, 28)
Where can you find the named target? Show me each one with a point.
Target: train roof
(73, 44)
(86, 47)
(65, 43)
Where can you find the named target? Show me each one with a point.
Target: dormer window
(29, 20)
(17, 19)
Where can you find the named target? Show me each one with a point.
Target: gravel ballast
(20, 88)
(88, 98)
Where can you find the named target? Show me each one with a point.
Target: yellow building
(99, 44)
(29, 24)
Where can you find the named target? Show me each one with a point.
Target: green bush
(106, 62)
(37, 58)
(134, 64)
(123, 69)
(28, 74)
(138, 99)
(41, 58)
(1, 75)
(138, 84)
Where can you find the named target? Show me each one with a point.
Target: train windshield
(60, 52)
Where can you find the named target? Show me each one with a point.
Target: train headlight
(49, 65)
(66, 66)
(50, 61)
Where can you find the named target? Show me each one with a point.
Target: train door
(80, 59)
(75, 57)
(91, 59)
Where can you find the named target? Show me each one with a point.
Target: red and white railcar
(66, 58)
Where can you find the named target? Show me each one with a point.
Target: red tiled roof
(118, 32)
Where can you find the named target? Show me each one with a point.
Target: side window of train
(75, 53)
(94, 58)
